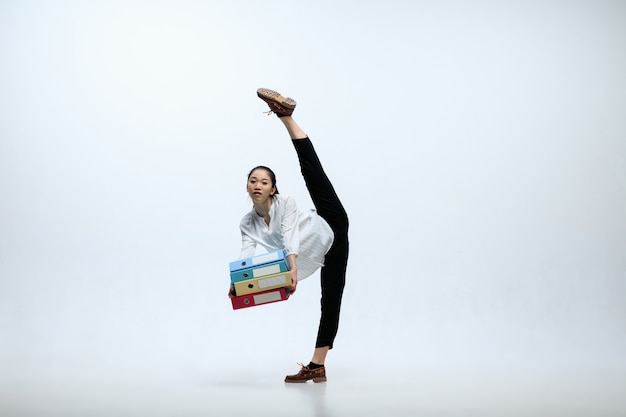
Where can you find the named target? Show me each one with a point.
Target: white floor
(347, 393)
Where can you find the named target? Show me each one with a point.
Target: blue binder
(254, 261)
(259, 271)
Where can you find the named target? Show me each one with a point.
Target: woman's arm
(293, 269)
(291, 237)
(248, 249)
(248, 246)
(289, 226)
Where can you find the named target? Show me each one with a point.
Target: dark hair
(269, 171)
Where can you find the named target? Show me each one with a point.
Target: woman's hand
(294, 281)
(293, 270)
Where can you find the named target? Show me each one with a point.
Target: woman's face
(260, 186)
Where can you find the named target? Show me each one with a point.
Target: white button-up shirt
(305, 234)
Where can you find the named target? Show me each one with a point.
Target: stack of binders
(261, 279)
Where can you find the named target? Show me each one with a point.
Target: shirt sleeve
(248, 245)
(289, 227)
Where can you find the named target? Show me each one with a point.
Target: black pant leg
(328, 206)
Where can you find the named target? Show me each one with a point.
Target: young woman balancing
(312, 239)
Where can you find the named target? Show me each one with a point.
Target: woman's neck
(263, 208)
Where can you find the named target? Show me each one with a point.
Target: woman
(313, 239)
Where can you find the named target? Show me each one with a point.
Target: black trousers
(328, 206)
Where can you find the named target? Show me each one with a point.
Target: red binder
(259, 298)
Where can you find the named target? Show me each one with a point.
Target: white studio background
(479, 148)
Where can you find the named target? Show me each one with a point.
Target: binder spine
(278, 255)
(269, 282)
(265, 297)
(269, 269)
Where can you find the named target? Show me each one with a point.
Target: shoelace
(270, 112)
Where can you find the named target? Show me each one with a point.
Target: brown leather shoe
(306, 373)
(282, 106)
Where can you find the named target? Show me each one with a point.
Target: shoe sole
(272, 96)
(302, 381)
